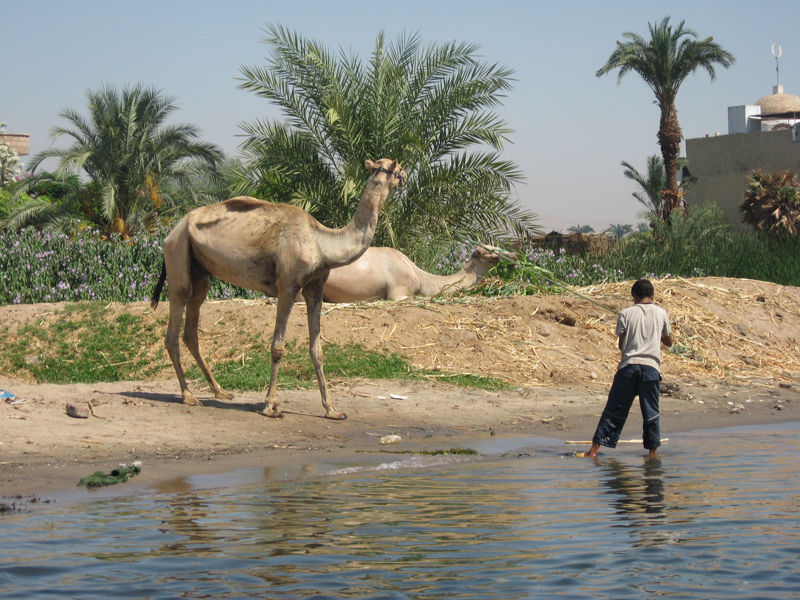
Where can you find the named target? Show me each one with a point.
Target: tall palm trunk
(669, 138)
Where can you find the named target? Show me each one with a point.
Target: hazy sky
(571, 128)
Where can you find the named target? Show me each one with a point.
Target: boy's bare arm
(667, 340)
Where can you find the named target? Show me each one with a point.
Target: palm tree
(426, 107)
(35, 205)
(772, 202)
(583, 229)
(619, 231)
(129, 154)
(664, 62)
(201, 185)
(653, 182)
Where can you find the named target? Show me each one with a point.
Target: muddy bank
(44, 450)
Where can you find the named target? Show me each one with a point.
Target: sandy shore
(45, 452)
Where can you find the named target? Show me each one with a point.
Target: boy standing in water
(641, 328)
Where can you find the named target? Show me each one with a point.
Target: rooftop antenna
(776, 52)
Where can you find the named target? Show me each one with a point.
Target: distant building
(765, 135)
(17, 142)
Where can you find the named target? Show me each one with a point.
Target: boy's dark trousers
(631, 381)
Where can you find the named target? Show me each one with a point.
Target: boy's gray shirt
(642, 325)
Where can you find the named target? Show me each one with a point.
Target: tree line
(433, 107)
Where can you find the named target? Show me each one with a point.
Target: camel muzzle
(396, 174)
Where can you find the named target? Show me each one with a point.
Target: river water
(717, 516)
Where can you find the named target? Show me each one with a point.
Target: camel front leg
(313, 295)
(286, 300)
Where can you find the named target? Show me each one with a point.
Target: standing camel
(388, 274)
(277, 249)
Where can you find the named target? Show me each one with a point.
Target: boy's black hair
(643, 289)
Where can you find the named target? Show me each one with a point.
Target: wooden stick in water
(620, 442)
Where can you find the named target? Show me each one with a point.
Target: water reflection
(202, 523)
(635, 491)
(637, 494)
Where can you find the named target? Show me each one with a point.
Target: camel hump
(243, 204)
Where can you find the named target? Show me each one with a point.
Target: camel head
(491, 255)
(392, 169)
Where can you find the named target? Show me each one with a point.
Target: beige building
(765, 135)
(17, 142)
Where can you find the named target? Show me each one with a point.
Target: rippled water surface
(718, 516)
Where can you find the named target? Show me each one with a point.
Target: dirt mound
(724, 328)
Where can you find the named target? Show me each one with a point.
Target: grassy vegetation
(341, 362)
(84, 343)
(83, 346)
(704, 246)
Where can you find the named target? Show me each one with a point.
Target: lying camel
(388, 274)
(277, 249)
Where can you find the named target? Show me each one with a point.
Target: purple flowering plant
(43, 266)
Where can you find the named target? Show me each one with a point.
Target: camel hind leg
(177, 304)
(177, 263)
(200, 289)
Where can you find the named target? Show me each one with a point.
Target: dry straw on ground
(724, 329)
(727, 328)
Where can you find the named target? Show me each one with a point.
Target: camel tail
(159, 286)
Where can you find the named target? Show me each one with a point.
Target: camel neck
(347, 244)
(466, 277)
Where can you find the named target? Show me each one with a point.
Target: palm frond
(38, 212)
(426, 106)
(772, 202)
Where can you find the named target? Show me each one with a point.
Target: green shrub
(5, 203)
(700, 245)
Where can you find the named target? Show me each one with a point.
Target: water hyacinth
(576, 270)
(41, 266)
(454, 260)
